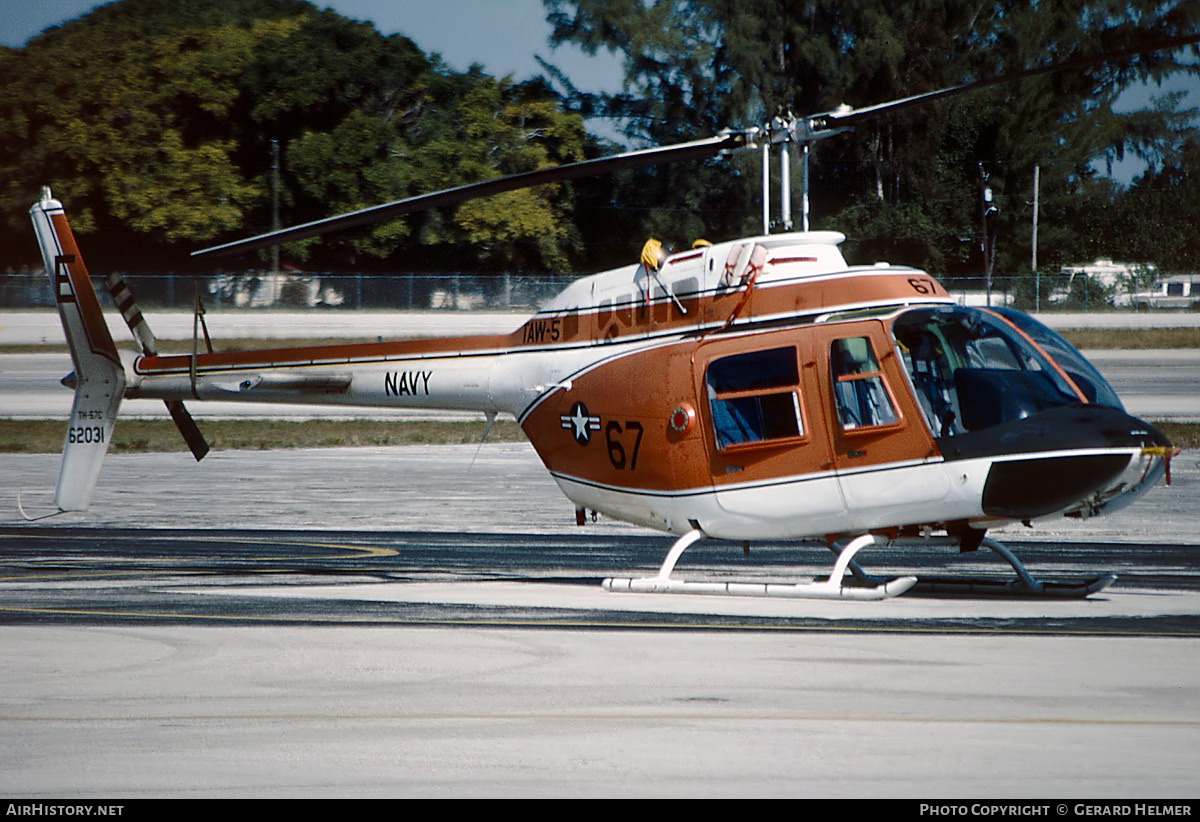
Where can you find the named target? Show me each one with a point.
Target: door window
(858, 386)
(754, 397)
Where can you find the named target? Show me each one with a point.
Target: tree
(129, 129)
(1154, 220)
(693, 68)
(155, 121)
(495, 128)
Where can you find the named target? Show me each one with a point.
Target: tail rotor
(127, 305)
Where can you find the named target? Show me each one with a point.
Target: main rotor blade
(807, 130)
(850, 116)
(697, 149)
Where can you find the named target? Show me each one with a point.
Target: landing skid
(837, 586)
(861, 585)
(1046, 589)
(1024, 585)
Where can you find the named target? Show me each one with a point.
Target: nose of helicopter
(1079, 461)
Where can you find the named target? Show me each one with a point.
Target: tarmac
(509, 673)
(425, 622)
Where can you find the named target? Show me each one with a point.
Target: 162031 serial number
(85, 433)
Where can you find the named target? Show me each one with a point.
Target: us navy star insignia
(580, 422)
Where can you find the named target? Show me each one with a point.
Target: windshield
(1081, 372)
(971, 370)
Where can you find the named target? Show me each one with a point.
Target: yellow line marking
(364, 552)
(625, 717)
(559, 624)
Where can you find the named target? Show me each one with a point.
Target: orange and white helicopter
(760, 388)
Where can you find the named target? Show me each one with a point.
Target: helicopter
(760, 388)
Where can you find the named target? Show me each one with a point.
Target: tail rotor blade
(123, 298)
(187, 426)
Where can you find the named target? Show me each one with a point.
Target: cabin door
(882, 449)
(765, 431)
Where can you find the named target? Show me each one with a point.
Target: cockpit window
(971, 370)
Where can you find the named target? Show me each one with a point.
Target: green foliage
(497, 129)
(494, 129)
(154, 121)
(878, 230)
(358, 163)
(1086, 294)
(151, 436)
(127, 129)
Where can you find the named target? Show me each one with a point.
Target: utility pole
(987, 229)
(1037, 280)
(275, 204)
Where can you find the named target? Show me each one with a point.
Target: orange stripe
(100, 341)
(812, 295)
(354, 352)
(591, 325)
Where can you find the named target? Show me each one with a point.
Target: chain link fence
(1073, 291)
(30, 288)
(460, 291)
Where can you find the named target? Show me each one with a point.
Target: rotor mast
(784, 131)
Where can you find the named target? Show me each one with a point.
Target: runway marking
(161, 573)
(364, 552)
(170, 537)
(85, 575)
(155, 615)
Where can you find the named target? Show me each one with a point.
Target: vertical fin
(100, 377)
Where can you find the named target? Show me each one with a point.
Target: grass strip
(1124, 339)
(1181, 434)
